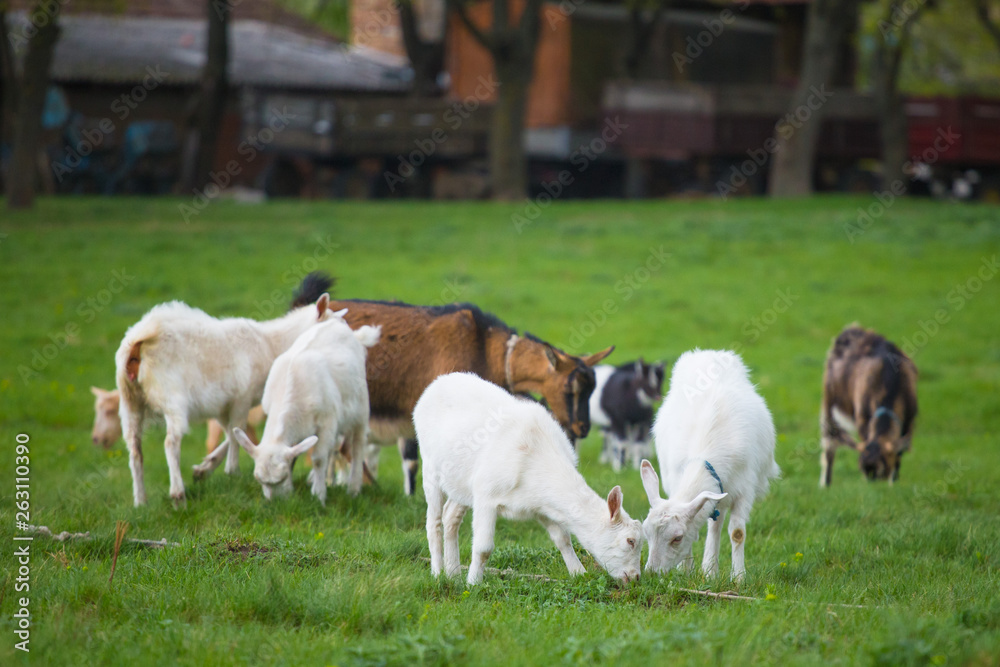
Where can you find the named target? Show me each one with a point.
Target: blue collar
(882, 410)
(714, 516)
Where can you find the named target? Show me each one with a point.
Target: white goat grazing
(715, 442)
(506, 456)
(181, 363)
(316, 392)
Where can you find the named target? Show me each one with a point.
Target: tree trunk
(8, 84)
(212, 96)
(798, 133)
(891, 43)
(31, 102)
(895, 142)
(890, 110)
(508, 163)
(426, 58)
(513, 49)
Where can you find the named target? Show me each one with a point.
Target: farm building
(704, 96)
(692, 95)
(710, 87)
(124, 86)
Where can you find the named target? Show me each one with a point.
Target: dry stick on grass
(66, 535)
(121, 527)
(157, 544)
(725, 595)
(731, 595)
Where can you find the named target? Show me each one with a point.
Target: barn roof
(119, 50)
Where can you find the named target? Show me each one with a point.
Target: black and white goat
(622, 405)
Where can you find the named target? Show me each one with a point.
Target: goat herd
(338, 379)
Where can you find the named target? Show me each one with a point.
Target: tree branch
(458, 7)
(889, 56)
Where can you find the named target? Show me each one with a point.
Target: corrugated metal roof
(124, 49)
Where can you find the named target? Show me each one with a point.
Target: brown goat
(871, 386)
(419, 343)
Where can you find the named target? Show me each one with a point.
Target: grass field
(292, 583)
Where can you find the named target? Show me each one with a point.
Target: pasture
(859, 573)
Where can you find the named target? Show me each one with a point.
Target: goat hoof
(180, 501)
(199, 473)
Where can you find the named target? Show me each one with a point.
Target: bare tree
(512, 45)
(211, 101)
(23, 171)
(891, 42)
(426, 56)
(792, 167)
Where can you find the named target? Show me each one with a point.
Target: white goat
(179, 362)
(316, 392)
(506, 456)
(715, 442)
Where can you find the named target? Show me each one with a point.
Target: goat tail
(368, 335)
(312, 287)
(775, 470)
(129, 357)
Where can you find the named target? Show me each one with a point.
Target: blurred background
(503, 99)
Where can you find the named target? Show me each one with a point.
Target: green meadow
(859, 573)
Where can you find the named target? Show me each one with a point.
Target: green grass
(292, 583)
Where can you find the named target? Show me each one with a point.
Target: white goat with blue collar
(715, 444)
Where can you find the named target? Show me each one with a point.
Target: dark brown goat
(419, 343)
(871, 385)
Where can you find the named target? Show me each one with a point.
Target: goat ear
(301, 448)
(245, 442)
(322, 303)
(96, 391)
(650, 481)
(340, 313)
(550, 354)
(695, 505)
(598, 357)
(615, 503)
